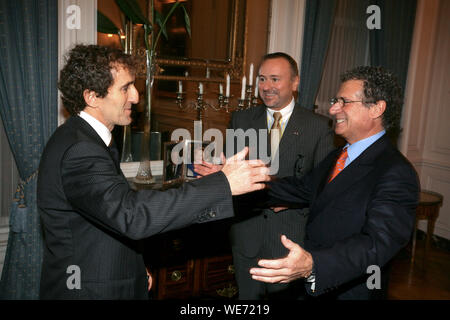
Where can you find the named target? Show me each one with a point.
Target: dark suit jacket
(92, 219)
(306, 140)
(361, 218)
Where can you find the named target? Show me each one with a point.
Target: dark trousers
(250, 289)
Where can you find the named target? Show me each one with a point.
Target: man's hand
(245, 175)
(206, 168)
(297, 264)
(278, 209)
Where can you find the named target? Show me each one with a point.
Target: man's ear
(90, 97)
(377, 109)
(295, 83)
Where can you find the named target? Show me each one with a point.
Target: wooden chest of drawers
(194, 262)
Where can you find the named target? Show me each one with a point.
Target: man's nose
(264, 86)
(335, 108)
(134, 95)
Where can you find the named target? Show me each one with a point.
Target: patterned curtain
(28, 108)
(348, 48)
(319, 15)
(390, 46)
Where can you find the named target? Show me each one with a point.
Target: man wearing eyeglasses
(305, 140)
(362, 198)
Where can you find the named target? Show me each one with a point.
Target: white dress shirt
(99, 127)
(285, 115)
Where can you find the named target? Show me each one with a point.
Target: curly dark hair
(380, 84)
(89, 67)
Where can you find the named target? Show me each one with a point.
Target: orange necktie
(340, 163)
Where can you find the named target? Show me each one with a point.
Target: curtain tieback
(19, 195)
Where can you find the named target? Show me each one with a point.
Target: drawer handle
(230, 269)
(227, 292)
(176, 275)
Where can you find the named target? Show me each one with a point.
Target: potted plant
(154, 26)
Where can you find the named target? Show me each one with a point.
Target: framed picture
(179, 159)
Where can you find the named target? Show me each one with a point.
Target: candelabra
(247, 100)
(199, 104)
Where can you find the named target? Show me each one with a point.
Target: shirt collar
(355, 149)
(99, 127)
(285, 112)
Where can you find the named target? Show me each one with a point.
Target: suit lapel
(82, 125)
(291, 137)
(352, 174)
(343, 183)
(292, 131)
(258, 122)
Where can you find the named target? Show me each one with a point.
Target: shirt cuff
(312, 279)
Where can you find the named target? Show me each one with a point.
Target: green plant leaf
(187, 21)
(132, 10)
(163, 24)
(159, 21)
(105, 25)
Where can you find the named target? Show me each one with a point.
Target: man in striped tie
(362, 198)
(298, 139)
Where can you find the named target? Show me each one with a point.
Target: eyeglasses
(341, 101)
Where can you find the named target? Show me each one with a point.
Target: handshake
(243, 175)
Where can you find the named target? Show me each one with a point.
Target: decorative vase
(126, 145)
(144, 173)
(128, 44)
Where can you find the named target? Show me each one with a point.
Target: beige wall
(426, 137)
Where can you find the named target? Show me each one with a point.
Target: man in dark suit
(362, 198)
(90, 216)
(305, 141)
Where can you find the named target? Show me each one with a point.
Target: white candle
(250, 76)
(227, 93)
(244, 81)
(200, 88)
(207, 73)
(256, 87)
(180, 87)
(220, 89)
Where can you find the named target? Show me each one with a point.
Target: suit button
(265, 216)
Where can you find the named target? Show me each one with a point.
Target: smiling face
(356, 121)
(276, 83)
(115, 107)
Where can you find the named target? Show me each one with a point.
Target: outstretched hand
(297, 264)
(245, 175)
(205, 168)
(278, 209)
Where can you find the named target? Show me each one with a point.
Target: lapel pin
(295, 133)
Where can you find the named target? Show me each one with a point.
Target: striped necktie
(340, 164)
(276, 124)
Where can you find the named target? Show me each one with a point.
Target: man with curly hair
(362, 198)
(306, 140)
(90, 216)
